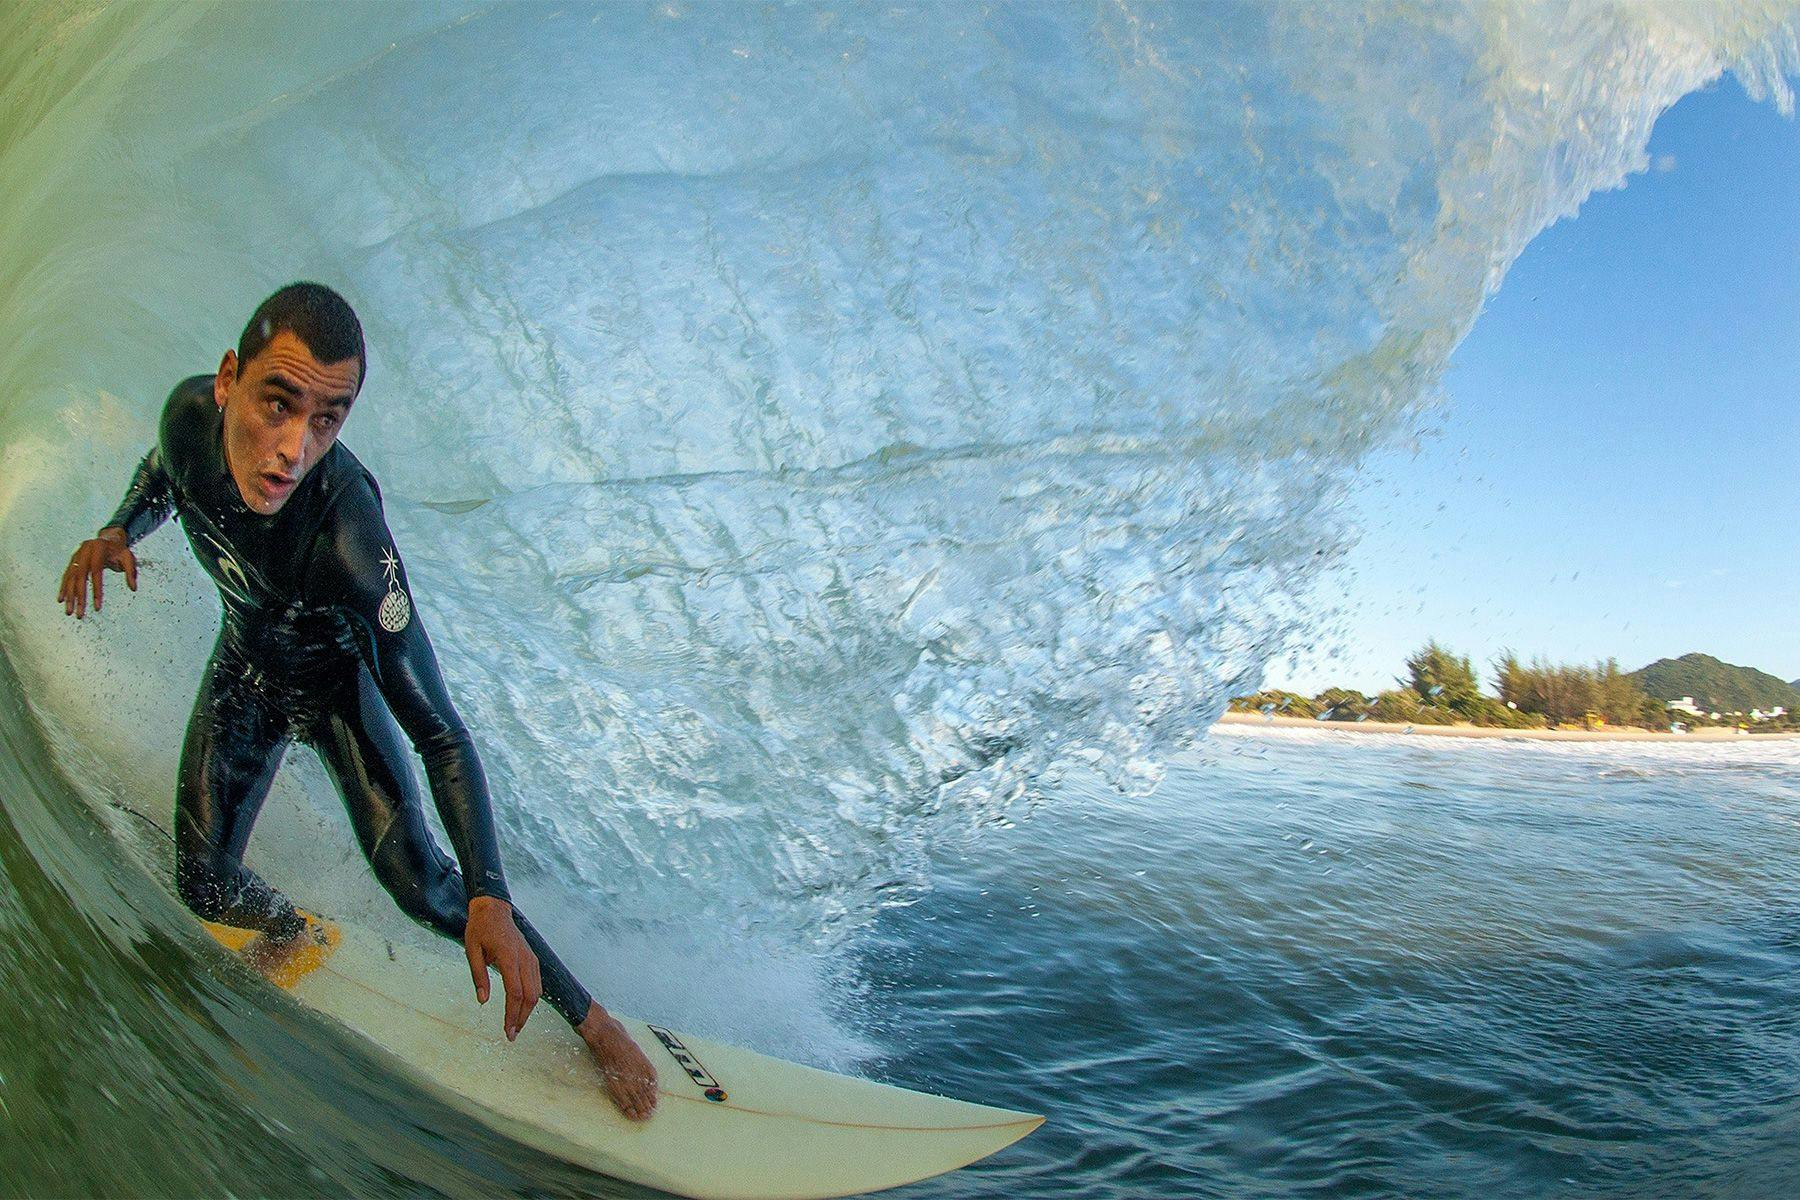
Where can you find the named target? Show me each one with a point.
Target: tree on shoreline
(1571, 694)
(1341, 704)
(1441, 678)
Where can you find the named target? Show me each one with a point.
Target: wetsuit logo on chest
(228, 567)
(396, 610)
(234, 583)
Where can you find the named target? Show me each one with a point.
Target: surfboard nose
(792, 1132)
(934, 1152)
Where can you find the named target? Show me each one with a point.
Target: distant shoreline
(1254, 720)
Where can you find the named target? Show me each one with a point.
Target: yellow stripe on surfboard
(325, 936)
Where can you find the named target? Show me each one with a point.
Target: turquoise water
(847, 457)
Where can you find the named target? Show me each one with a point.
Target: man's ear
(225, 378)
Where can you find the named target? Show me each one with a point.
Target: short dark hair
(322, 320)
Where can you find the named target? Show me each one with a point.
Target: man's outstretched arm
(357, 570)
(360, 570)
(148, 502)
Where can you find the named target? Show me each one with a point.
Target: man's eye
(277, 405)
(325, 422)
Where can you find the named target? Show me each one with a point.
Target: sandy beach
(1479, 731)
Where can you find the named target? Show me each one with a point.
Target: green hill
(1715, 685)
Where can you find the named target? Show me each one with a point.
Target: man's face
(281, 415)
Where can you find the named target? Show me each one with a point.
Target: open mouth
(275, 485)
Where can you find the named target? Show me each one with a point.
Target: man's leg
(234, 745)
(366, 756)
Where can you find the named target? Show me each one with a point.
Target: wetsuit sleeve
(148, 501)
(356, 569)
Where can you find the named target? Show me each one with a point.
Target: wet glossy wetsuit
(320, 643)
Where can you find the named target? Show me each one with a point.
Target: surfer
(321, 643)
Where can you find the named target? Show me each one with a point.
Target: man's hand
(92, 559)
(492, 940)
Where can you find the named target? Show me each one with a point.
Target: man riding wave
(321, 643)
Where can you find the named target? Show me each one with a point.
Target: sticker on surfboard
(702, 1078)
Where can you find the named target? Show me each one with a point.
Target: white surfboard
(729, 1124)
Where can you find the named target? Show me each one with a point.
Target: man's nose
(293, 446)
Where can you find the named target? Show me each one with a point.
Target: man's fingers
(511, 975)
(534, 988)
(477, 971)
(87, 568)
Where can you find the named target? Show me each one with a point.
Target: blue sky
(1614, 470)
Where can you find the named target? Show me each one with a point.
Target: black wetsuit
(320, 643)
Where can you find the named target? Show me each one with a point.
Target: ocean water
(846, 457)
(1354, 965)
